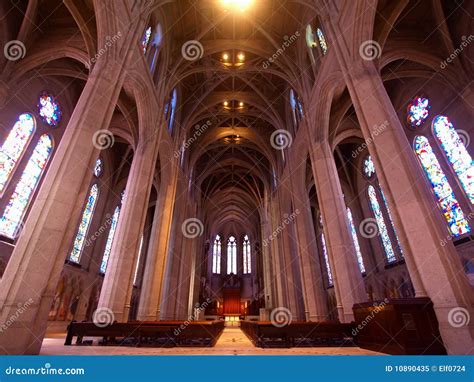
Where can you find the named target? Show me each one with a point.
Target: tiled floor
(232, 342)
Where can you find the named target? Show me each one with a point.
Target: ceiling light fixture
(240, 5)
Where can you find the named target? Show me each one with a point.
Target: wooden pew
(298, 334)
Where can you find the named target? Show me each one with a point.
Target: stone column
(433, 264)
(34, 269)
(348, 282)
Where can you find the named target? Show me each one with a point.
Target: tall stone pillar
(433, 264)
(348, 282)
(30, 279)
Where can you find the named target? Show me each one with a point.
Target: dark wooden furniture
(298, 334)
(154, 333)
(398, 326)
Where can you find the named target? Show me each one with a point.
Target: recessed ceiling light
(226, 103)
(225, 56)
(241, 56)
(241, 104)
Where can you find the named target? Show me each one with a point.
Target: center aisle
(234, 339)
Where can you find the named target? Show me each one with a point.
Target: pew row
(298, 334)
(154, 334)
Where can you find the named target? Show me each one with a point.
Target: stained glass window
(326, 259)
(49, 109)
(369, 168)
(355, 239)
(146, 39)
(84, 225)
(456, 152)
(231, 256)
(418, 111)
(172, 109)
(110, 240)
(14, 146)
(322, 40)
(15, 210)
(387, 244)
(216, 255)
(399, 246)
(98, 168)
(310, 41)
(247, 256)
(452, 211)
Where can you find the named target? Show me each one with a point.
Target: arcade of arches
(240, 156)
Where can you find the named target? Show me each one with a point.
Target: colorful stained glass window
(456, 152)
(387, 244)
(355, 239)
(399, 246)
(110, 240)
(322, 40)
(49, 109)
(14, 146)
(146, 39)
(98, 168)
(15, 210)
(247, 255)
(231, 256)
(216, 255)
(326, 259)
(418, 111)
(86, 220)
(452, 211)
(369, 168)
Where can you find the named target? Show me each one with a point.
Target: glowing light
(226, 103)
(225, 56)
(241, 56)
(241, 104)
(240, 5)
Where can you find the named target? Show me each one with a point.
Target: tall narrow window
(146, 39)
(172, 109)
(14, 212)
(86, 220)
(387, 244)
(391, 221)
(247, 255)
(452, 211)
(355, 239)
(14, 146)
(216, 255)
(137, 265)
(110, 240)
(326, 259)
(456, 152)
(231, 256)
(322, 40)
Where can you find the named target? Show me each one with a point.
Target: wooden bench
(298, 334)
(156, 334)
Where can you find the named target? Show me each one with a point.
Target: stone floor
(232, 342)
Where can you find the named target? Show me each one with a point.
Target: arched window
(383, 232)
(110, 240)
(14, 212)
(231, 256)
(417, 111)
(216, 255)
(146, 39)
(296, 108)
(86, 220)
(247, 256)
(355, 239)
(448, 203)
(325, 254)
(322, 41)
(49, 109)
(456, 153)
(14, 147)
(369, 167)
(98, 168)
